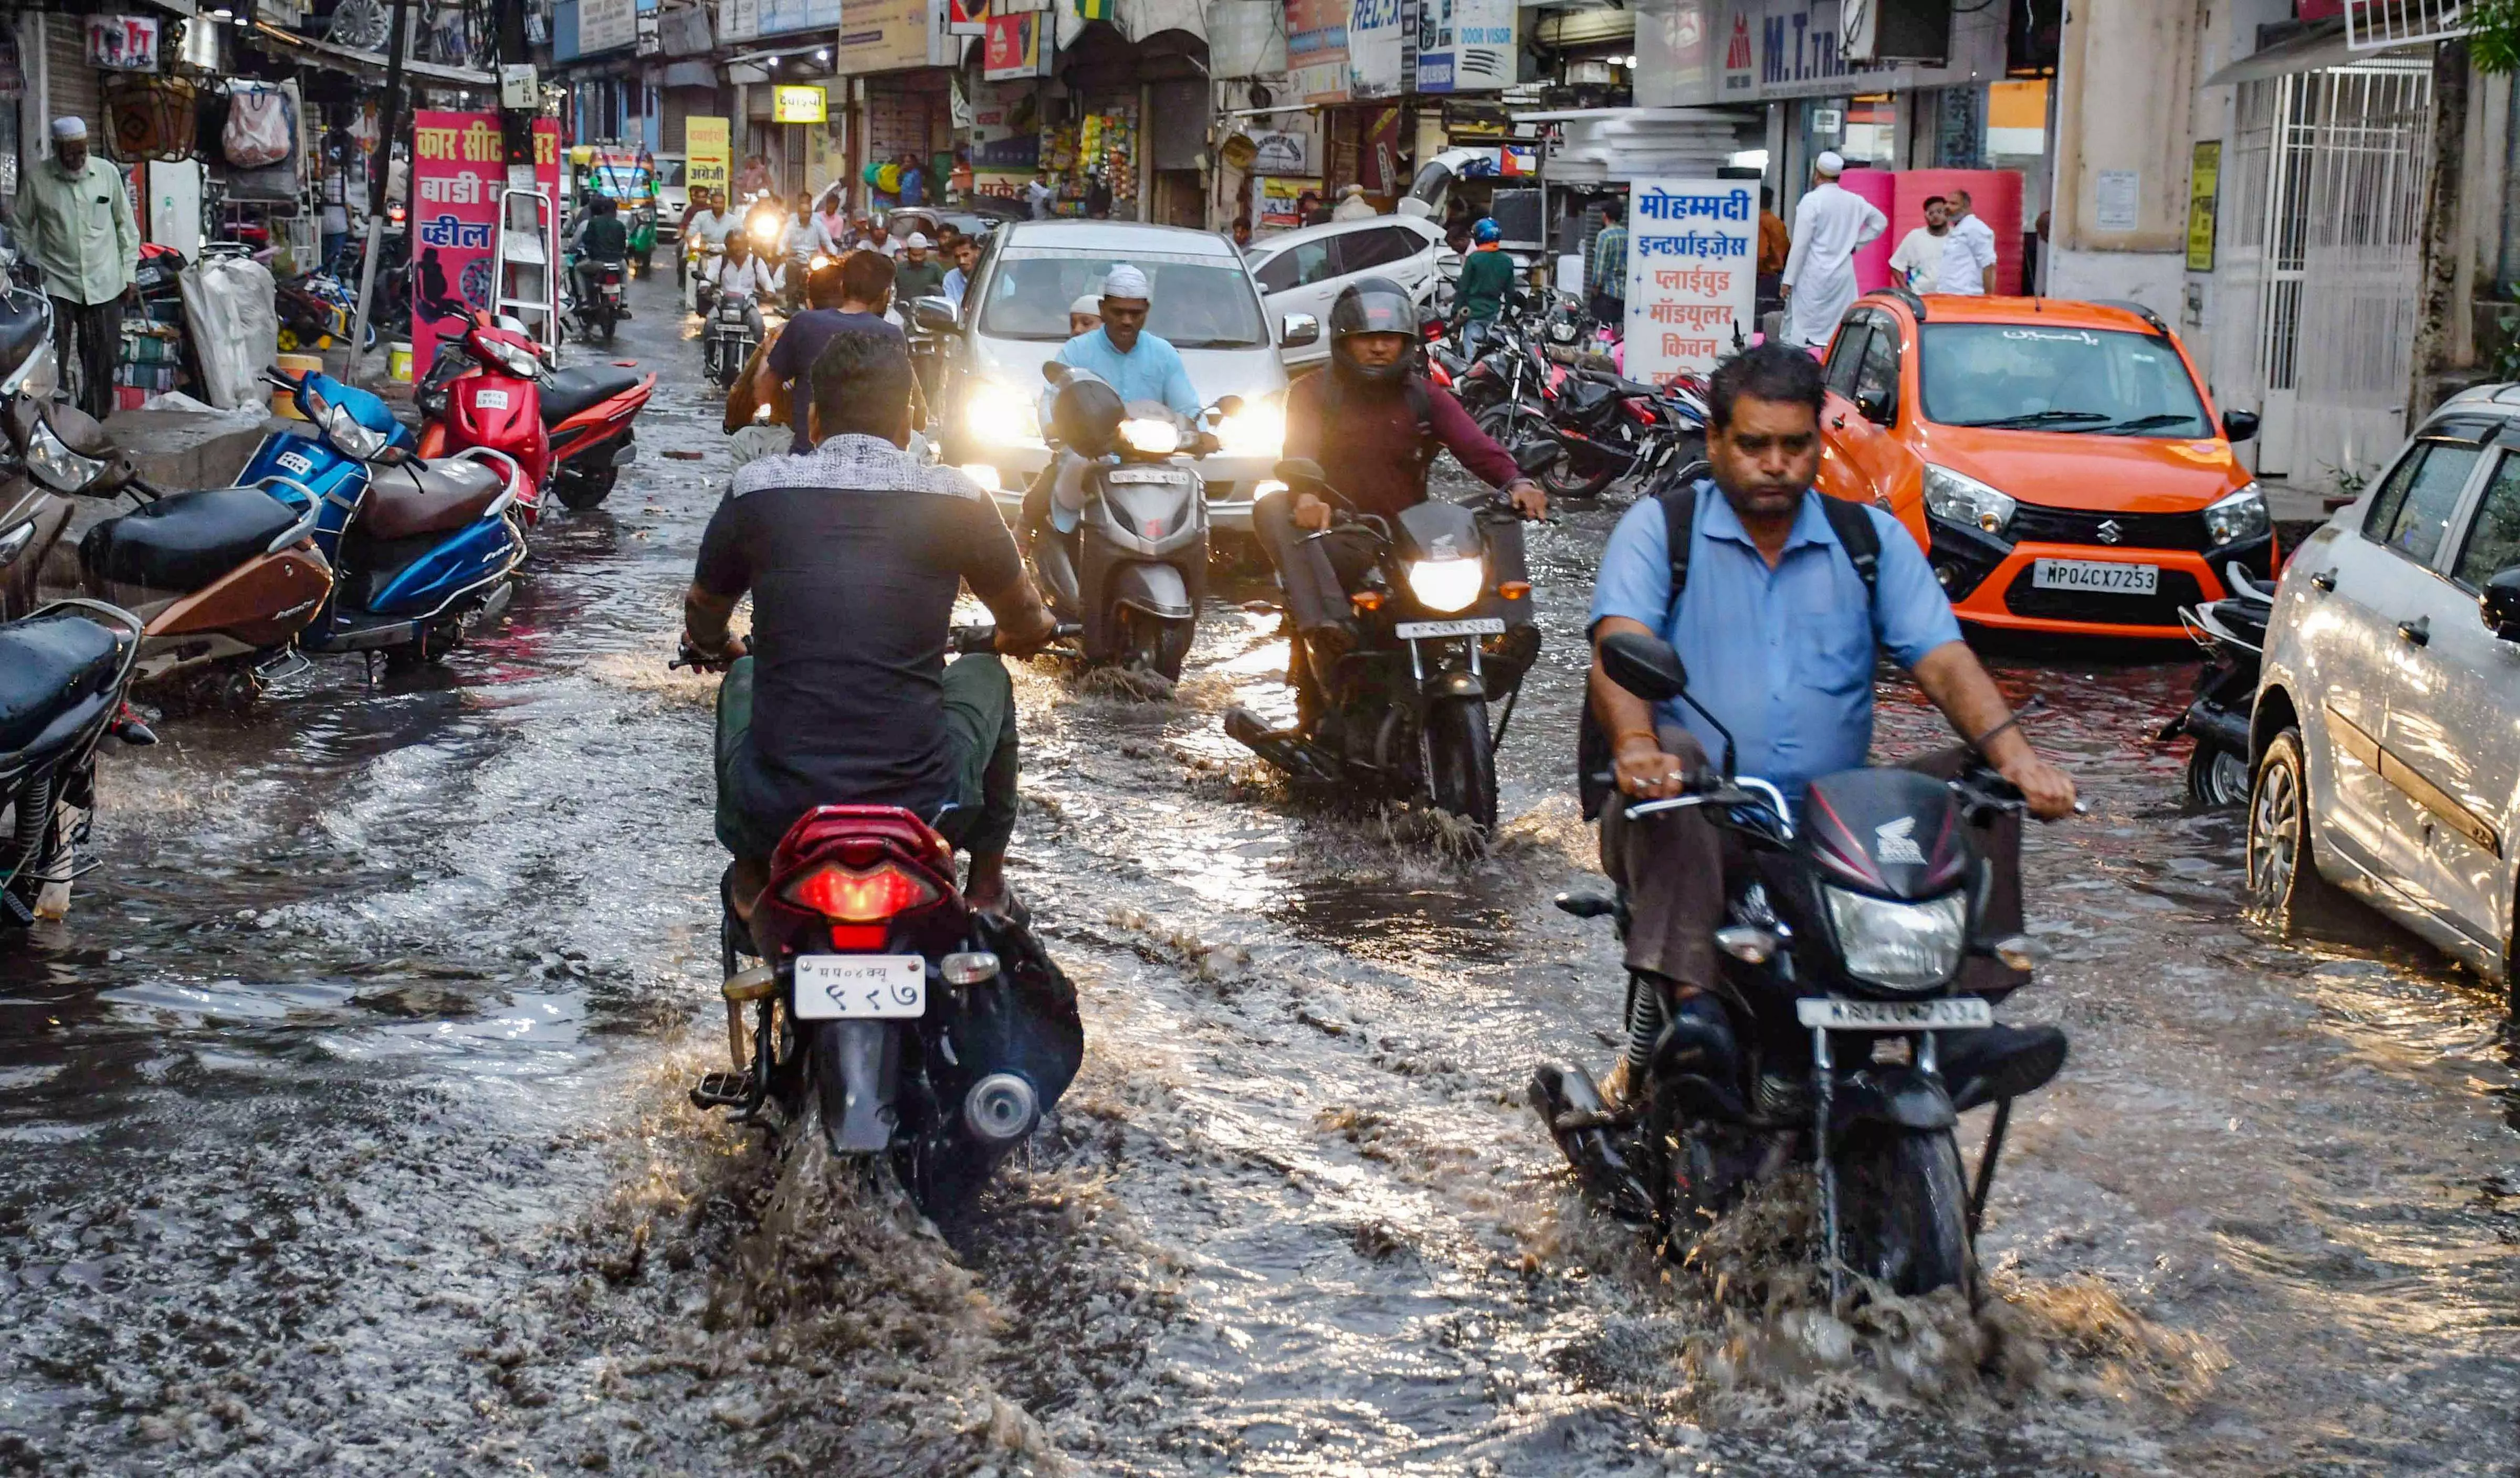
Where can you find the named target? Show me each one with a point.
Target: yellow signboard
(2204, 176)
(704, 143)
(800, 105)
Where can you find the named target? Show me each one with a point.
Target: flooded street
(345, 1129)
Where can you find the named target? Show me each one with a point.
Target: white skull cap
(69, 128)
(1125, 281)
(1088, 304)
(918, 240)
(1830, 162)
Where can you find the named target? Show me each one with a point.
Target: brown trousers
(1671, 869)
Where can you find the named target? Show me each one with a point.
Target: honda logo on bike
(2110, 532)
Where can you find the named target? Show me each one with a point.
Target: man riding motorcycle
(599, 241)
(1784, 599)
(853, 555)
(743, 271)
(1375, 424)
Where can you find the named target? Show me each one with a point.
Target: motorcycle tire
(2217, 776)
(610, 325)
(1460, 768)
(1902, 1210)
(1151, 644)
(579, 492)
(2282, 877)
(1563, 481)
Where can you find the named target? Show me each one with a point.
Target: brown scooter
(224, 578)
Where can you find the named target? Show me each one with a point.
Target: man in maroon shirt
(1374, 424)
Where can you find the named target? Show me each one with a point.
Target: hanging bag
(257, 135)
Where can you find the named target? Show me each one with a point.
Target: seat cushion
(428, 497)
(47, 665)
(185, 541)
(565, 393)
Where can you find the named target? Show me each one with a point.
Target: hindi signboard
(1693, 254)
(704, 146)
(458, 167)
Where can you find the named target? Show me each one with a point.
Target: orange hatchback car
(2059, 461)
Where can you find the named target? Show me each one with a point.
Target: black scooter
(63, 673)
(2232, 631)
(1858, 981)
(1405, 714)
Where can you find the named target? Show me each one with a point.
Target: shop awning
(366, 64)
(2317, 49)
(691, 74)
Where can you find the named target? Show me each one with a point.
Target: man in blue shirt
(1780, 639)
(1123, 355)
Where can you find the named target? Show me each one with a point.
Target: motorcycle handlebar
(963, 640)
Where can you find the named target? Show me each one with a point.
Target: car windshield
(2091, 381)
(671, 171)
(1197, 305)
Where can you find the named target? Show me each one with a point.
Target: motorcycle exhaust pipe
(1000, 1108)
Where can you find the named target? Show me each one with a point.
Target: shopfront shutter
(71, 84)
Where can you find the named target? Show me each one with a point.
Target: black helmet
(1372, 305)
(1086, 416)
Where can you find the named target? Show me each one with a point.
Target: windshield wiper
(2038, 418)
(2151, 422)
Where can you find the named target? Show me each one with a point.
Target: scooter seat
(428, 497)
(565, 393)
(185, 541)
(48, 664)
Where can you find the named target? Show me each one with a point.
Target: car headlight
(1899, 946)
(62, 470)
(1957, 498)
(2237, 517)
(1257, 429)
(1000, 415)
(1150, 435)
(356, 441)
(1446, 585)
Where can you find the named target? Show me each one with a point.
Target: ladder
(524, 263)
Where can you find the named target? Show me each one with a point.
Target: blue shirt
(1152, 370)
(1783, 656)
(954, 286)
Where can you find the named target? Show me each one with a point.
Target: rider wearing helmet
(1487, 274)
(1374, 424)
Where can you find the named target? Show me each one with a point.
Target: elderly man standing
(77, 218)
(1124, 355)
(1830, 221)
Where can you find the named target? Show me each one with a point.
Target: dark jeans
(1612, 311)
(91, 340)
(979, 730)
(1672, 868)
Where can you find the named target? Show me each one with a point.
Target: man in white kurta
(1829, 223)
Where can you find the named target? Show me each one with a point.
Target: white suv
(1304, 271)
(2385, 743)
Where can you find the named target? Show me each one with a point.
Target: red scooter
(568, 430)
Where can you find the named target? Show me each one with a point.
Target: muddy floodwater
(342, 1128)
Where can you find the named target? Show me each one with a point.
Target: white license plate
(833, 987)
(1142, 474)
(1956, 1011)
(2095, 575)
(1477, 626)
(491, 400)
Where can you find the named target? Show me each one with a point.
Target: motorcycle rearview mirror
(1644, 665)
(2499, 603)
(1294, 469)
(1053, 371)
(1227, 405)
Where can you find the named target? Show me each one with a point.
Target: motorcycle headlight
(1899, 946)
(1150, 435)
(2237, 517)
(355, 441)
(1447, 585)
(1958, 498)
(1001, 415)
(60, 469)
(1257, 429)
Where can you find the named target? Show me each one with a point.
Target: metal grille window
(2379, 25)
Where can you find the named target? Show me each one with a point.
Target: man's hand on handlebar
(1527, 498)
(700, 659)
(1311, 513)
(2046, 790)
(1644, 771)
(1022, 638)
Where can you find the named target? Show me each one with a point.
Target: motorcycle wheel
(1902, 1210)
(2217, 776)
(609, 323)
(1152, 644)
(580, 492)
(1461, 770)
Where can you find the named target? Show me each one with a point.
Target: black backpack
(1854, 528)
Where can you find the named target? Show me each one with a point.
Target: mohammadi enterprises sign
(1693, 251)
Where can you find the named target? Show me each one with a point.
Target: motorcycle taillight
(843, 895)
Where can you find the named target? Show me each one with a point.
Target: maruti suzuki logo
(2110, 532)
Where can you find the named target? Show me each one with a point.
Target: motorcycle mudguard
(1904, 1097)
(1454, 684)
(1156, 589)
(857, 1068)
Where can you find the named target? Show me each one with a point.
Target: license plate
(834, 987)
(1142, 474)
(1477, 626)
(1837, 1014)
(2095, 575)
(491, 400)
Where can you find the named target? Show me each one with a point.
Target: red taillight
(1437, 375)
(843, 896)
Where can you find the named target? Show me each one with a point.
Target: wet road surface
(344, 1129)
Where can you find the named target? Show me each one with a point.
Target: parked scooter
(2233, 633)
(571, 429)
(1132, 568)
(420, 550)
(1863, 1025)
(33, 515)
(63, 672)
(1405, 714)
(924, 1036)
(727, 340)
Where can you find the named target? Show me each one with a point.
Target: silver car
(2385, 741)
(1015, 316)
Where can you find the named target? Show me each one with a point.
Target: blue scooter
(419, 550)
